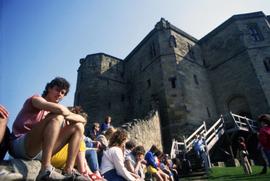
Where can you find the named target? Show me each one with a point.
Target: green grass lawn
(235, 173)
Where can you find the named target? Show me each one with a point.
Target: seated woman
(134, 161)
(103, 139)
(59, 160)
(91, 155)
(152, 164)
(112, 164)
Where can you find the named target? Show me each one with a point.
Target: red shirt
(264, 137)
(27, 117)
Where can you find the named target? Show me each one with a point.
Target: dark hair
(130, 144)
(107, 119)
(109, 132)
(95, 124)
(154, 149)
(264, 118)
(79, 110)
(138, 150)
(59, 82)
(118, 138)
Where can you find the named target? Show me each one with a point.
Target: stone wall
(145, 131)
(101, 89)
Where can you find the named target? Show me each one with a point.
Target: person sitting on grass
(43, 127)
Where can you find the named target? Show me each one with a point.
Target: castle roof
(234, 18)
(104, 54)
(161, 25)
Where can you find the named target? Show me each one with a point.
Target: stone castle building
(187, 80)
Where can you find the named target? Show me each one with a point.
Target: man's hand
(72, 117)
(3, 112)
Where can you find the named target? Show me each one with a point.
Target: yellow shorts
(151, 169)
(59, 159)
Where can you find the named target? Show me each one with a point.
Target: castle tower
(101, 88)
(237, 57)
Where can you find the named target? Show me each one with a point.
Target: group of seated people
(54, 134)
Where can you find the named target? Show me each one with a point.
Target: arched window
(238, 105)
(255, 32)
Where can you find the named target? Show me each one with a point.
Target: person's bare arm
(3, 112)
(41, 103)
(129, 166)
(3, 121)
(72, 117)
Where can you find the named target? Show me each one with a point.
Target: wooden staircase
(228, 123)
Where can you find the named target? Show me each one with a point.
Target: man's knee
(79, 127)
(57, 118)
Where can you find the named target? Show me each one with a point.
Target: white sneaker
(50, 174)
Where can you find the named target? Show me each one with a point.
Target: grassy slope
(235, 173)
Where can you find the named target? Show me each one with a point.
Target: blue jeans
(267, 154)
(92, 160)
(112, 175)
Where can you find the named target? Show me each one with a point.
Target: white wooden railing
(244, 122)
(212, 135)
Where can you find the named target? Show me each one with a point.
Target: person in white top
(135, 162)
(112, 164)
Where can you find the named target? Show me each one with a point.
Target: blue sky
(42, 39)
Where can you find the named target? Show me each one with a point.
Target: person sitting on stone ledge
(59, 159)
(130, 145)
(112, 164)
(103, 139)
(107, 123)
(135, 163)
(43, 127)
(91, 155)
(4, 132)
(152, 164)
(95, 131)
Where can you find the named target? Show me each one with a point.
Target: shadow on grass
(237, 174)
(239, 177)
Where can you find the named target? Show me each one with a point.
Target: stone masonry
(187, 80)
(145, 131)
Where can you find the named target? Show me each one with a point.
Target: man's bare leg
(43, 137)
(71, 134)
